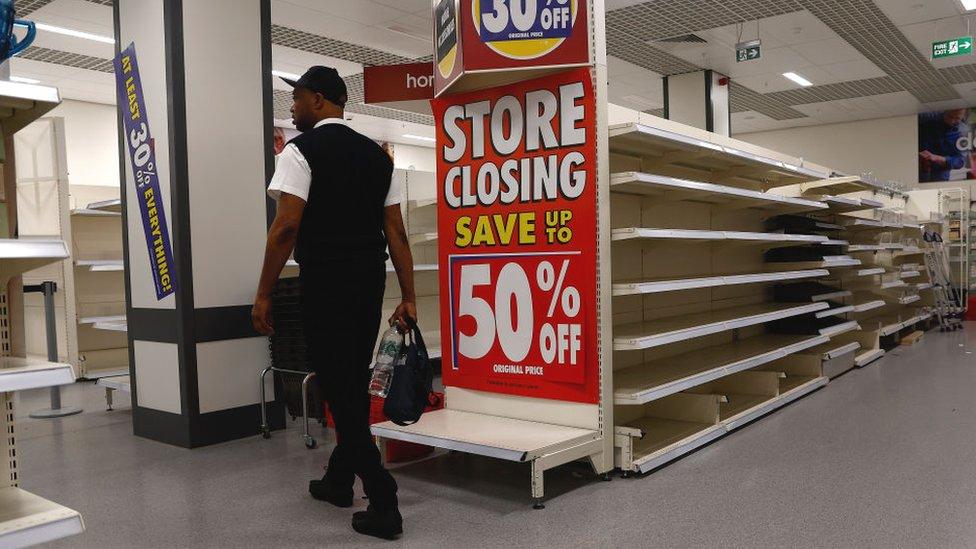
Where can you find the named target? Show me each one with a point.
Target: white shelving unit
(694, 356)
(27, 519)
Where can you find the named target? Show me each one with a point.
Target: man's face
(953, 117)
(303, 109)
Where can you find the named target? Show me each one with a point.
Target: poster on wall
(517, 249)
(945, 145)
(142, 161)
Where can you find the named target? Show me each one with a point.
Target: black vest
(343, 218)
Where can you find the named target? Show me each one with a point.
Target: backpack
(413, 377)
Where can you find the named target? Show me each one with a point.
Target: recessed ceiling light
(969, 4)
(803, 81)
(419, 137)
(23, 80)
(75, 33)
(283, 74)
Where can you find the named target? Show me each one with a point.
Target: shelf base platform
(661, 441)
(867, 357)
(792, 392)
(18, 374)
(544, 445)
(26, 519)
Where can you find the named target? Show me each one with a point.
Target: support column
(194, 359)
(699, 99)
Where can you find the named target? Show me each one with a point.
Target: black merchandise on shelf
(289, 350)
(798, 224)
(802, 253)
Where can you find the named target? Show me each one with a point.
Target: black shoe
(380, 524)
(324, 491)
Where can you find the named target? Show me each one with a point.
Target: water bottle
(386, 355)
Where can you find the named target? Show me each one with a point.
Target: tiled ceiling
(866, 57)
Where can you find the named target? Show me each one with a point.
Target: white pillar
(205, 67)
(699, 99)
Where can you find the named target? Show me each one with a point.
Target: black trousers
(341, 313)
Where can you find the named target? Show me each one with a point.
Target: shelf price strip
(517, 226)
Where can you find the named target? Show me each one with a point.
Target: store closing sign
(142, 159)
(517, 244)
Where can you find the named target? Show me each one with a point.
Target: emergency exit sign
(747, 51)
(952, 48)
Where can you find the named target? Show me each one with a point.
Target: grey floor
(882, 457)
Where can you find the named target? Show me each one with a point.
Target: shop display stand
(955, 208)
(26, 519)
(98, 290)
(693, 353)
(884, 287)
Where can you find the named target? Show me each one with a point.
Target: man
(939, 136)
(339, 209)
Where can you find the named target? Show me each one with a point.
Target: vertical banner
(517, 238)
(142, 159)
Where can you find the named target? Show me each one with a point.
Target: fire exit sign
(951, 48)
(747, 51)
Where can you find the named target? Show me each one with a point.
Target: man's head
(319, 94)
(953, 117)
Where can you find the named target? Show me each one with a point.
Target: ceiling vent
(683, 39)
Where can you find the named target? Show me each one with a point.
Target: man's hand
(261, 315)
(404, 310)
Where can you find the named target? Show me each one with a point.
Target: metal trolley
(307, 438)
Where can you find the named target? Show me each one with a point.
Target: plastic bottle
(390, 346)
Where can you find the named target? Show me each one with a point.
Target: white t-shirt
(294, 176)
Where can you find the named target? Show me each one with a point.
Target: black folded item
(804, 324)
(815, 252)
(798, 224)
(806, 291)
(289, 350)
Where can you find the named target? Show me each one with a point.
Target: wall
(885, 147)
(413, 157)
(92, 142)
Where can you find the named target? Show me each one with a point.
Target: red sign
(517, 248)
(391, 83)
(486, 36)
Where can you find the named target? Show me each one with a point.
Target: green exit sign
(747, 51)
(951, 48)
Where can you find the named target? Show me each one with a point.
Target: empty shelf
(840, 185)
(667, 439)
(98, 319)
(745, 408)
(909, 274)
(908, 299)
(18, 256)
(885, 324)
(840, 328)
(107, 205)
(86, 212)
(693, 235)
(828, 262)
(118, 383)
(678, 152)
(675, 284)
(835, 311)
(864, 248)
(659, 378)
(18, 374)
(832, 349)
(26, 519)
(674, 189)
(423, 238)
(101, 265)
(644, 335)
(22, 103)
(112, 326)
(863, 303)
(481, 434)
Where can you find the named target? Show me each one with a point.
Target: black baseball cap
(323, 80)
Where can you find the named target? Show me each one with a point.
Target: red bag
(396, 450)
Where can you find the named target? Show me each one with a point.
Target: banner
(517, 247)
(142, 158)
(945, 145)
